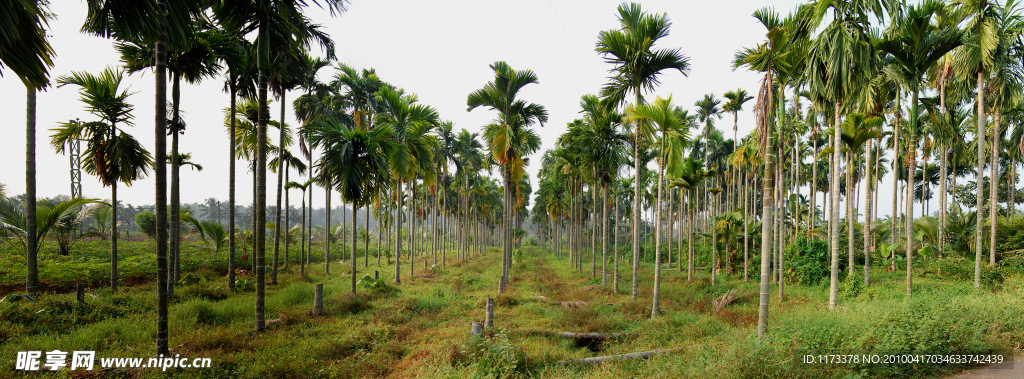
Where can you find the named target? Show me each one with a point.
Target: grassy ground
(421, 328)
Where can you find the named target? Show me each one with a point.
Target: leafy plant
(494, 356)
(807, 261)
(192, 278)
(15, 298)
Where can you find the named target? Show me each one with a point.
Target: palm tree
(193, 60)
(857, 131)
(355, 161)
(302, 253)
(778, 58)
(734, 105)
(410, 123)
(50, 216)
(637, 66)
(157, 21)
(112, 155)
(510, 138)
(290, 162)
(707, 109)
(674, 138)
(291, 28)
(917, 44)
(25, 49)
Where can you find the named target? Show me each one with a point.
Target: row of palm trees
(857, 73)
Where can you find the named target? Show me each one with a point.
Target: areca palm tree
(857, 131)
(637, 65)
(410, 123)
(734, 105)
(290, 162)
(193, 60)
(778, 58)
(26, 51)
(302, 252)
(355, 161)
(279, 25)
(917, 44)
(674, 138)
(111, 154)
(510, 138)
(156, 21)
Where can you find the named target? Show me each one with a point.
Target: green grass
(421, 329)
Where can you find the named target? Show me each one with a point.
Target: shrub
(807, 261)
(960, 269)
(146, 222)
(494, 356)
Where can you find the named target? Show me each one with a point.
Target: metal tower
(75, 155)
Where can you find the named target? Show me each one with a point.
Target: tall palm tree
(157, 21)
(775, 58)
(290, 162)
(355, 161)
(510, 138)
(734, 105)
(193, 60)
(674, 138)
(707, 109)
(916, 44)
(290, 28)
(26, 51)
(637, 67)
(112, 155)
(857, 131)
(410, 124)
(302, 252)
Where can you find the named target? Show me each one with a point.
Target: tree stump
(318, 300)
(489, 321)
(81, 293)
(476, 328)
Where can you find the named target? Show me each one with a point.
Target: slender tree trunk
(615, 273)
(911, 164)
(636, 209)
(768, 203)
(993, 198)
(604, 237)
(327, 231)
(398, 234)
(160, 170)
(746, 228)
(113, 236)
(31, 243)
(355, 245)
(366, 238)
(303, 253)
(655, 309)
(175, 178)
(834, 280)
(287, 219)
(979, 201)
(869, 183)
(851, 214)
(231, 185)
(261, 175)
(280, 183)
(593, 228)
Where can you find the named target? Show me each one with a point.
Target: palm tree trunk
(615, 246)
(366, 238)
(768, 203)
(593, 228)
(412, 229)
(691, 222)
(287, 213)
(160, 156)
(993, 199)
(978, 235)
(280, 183)
(850, 215)
(604, 236)
(869, 183)
(655, 309)
(261, 174)
(911, 164)
(746, 229)
(834, 279)
(355, 244)
(327, 231)
(303, 253)
(113, 236)
(895, 176)
(398, 234)
(636, 203)
(31, 243)
(231, 185)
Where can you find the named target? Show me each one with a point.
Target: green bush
(147, 223)
(960, 269)
(494, 356)
(807, 261)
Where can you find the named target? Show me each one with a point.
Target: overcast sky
(438, 50)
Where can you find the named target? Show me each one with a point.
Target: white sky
(439, 50)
